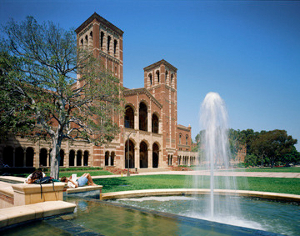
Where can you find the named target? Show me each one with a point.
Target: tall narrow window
(154, 123)
(150, 79)
(166, 79)
(101, 40)
(143, 117)
(115, 47)
(129, 117)
(186, 140)
(179, 138)
(157, 74)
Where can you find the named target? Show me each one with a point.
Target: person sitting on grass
(82, 181)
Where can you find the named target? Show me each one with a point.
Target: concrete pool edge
(180, 192)
(18, 214)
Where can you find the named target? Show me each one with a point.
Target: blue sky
(247, 51)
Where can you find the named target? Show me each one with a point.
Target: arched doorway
(143, 117)
(129, 117)
(112, 158)
(71, 158)
(79, 158)
(19, 157)
(8, 156)
(155, 155)
(130, 154)
(29, 157)
(143, 155)
(106, 158)
(43, 157)
(86, 158)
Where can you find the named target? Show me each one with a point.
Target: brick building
(150, 136)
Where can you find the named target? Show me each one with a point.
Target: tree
(273, 145)
(41, 86)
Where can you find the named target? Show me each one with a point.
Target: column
(150, 158)
(136, 157)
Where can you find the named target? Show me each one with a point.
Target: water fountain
(214, 121)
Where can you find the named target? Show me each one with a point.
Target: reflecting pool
(94, 217)
(266, 215)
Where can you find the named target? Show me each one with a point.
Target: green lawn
(278, 185)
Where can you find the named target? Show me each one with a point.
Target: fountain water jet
(214, 121)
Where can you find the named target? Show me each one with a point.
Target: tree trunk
(55, 158)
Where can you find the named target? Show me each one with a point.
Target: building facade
(149, 137)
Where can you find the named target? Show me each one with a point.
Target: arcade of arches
(28, 157)
(148, 156)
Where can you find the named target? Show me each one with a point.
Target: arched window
(172, 77)
(154, 124)
(157, 75)
(150, 79)
(91, 34)
(101, 39)
(143, 117)
(115, 47)
(179, 138)
(166, 79)
(129, 117)
(186, 140)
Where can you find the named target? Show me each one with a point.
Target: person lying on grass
(37, 174)
(82, 181)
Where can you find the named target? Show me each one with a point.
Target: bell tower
(105, 40)
(160, 79)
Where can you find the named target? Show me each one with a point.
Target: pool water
(94, 217)
(266, 215)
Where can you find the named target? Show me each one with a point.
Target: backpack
(44, 180)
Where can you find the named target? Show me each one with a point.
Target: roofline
(101, 20)
(159, 63)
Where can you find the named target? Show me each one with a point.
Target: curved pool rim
(183, 192)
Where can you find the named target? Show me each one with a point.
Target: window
(157, 74)
(154, 124)
(129, 117)
(143, 113)
(150, 79)
(179, 138)
(186, 140)
(115, 47)
(101, 39)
